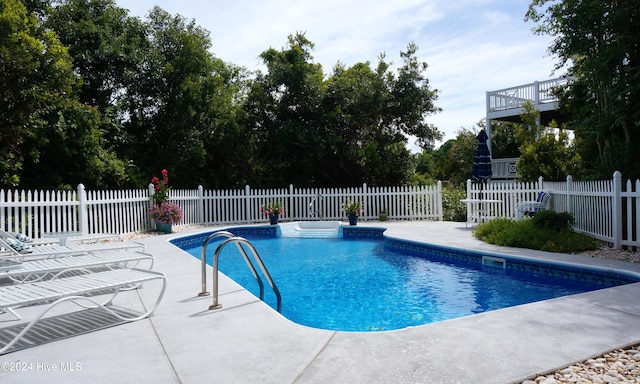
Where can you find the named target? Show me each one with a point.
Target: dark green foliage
(525, 234)
(346, 130)
(503, 140)
(555, 221)
(453, 209)
(91, 95)
(598, 40)
(543, 150)
(452, 162)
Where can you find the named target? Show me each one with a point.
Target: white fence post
(151, 189)
(82, 210)
(365, 201)
(439, 201)
(247, 203)
(569, 194)
(289, 202)
(200, 205)
(469, 185)
(540, 183)
(617, 210)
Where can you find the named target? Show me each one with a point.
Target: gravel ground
(621, 366)
(608, 253)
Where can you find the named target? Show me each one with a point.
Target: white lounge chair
(31, 268)
(74, 248)
(23, 245)
(79, 290)
(530, 208)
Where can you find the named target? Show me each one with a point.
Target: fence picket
(605, 209)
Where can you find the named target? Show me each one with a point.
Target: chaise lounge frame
(77, 289)
(76, 246)
(31, 269)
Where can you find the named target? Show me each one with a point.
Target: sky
(471, 46)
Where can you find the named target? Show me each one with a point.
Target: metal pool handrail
(239, 241)
(203, 263)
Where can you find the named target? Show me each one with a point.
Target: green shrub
(527, 234)
(452, 208)
(553, 220)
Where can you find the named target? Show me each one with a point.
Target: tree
(348, 129)
(89, 94)
(413, 100)
(284, 108)
(406, 103)
(107, 48)
(598, 40)
(177, 104)
(354, 99)
(545, 151)
(454, 159)
(503, 140)
(35, 79)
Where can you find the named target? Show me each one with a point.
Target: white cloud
(471, 46)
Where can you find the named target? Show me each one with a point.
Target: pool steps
(311, 229)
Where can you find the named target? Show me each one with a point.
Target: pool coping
(247, 341)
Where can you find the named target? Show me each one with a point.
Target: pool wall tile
(514, 264)
(355, 232)
(198, 239)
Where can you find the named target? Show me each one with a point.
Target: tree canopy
(598, 41)
(90, 94)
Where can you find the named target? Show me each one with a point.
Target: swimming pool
(378, 283)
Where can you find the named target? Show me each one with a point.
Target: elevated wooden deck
(508, 104)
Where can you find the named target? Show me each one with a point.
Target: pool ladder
(238, 241)
(318, 199)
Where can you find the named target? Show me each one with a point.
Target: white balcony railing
(537, 93)
(504, 168)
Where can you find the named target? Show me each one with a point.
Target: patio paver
(248, 342)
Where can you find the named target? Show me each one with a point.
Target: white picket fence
(608, 210)
(89, 212)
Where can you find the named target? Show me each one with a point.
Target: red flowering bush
(161, 188)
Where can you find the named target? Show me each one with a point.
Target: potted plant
(353, 209)
(164, 213)
(274, 210)
(382, 216)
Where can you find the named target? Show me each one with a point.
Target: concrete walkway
(248, 342)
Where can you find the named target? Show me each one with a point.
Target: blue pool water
(371, 285)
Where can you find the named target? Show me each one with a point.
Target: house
(508, 104)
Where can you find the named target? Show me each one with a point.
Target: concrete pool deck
(248, 342)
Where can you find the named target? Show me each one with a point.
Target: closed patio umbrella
(482, 162)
